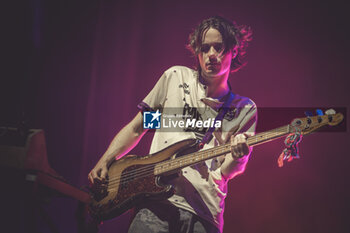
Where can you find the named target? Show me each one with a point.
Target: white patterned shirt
(201, 188)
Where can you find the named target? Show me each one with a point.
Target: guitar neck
(200, 156)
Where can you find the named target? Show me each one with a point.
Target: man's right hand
(99, 172)
(121, 144)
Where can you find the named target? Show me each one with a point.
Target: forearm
(232, 167)
(235, 162)
(121, 144)
(124, 141)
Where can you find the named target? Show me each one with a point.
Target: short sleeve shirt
(200, 188)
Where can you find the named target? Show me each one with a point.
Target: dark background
(78, 69)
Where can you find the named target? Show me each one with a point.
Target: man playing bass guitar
(198, 203)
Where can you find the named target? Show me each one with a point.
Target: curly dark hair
(234, 37)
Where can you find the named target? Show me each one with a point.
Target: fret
(267, 136)
(197, 157)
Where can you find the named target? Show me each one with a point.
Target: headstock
(311, 123)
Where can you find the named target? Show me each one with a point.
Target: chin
(212, 73)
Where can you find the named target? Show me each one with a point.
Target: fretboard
(200, 156)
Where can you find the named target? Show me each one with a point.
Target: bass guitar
(133, 179)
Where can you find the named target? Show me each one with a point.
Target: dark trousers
(166, 218)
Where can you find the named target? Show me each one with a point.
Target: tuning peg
(330, 111)
(308, 113)
(319, 112)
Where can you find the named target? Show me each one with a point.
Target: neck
(217, 86)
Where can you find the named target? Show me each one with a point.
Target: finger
(233, 145)
(246, 149)
(243, 148)
(233, 141)
(91, 180)
(239, 153)
(239, 147)
(103, 174)
(234, 151)
(95, 174)
(248, 134)
(242, 142)
(240, 138)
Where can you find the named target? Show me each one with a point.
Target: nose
(212, 51)
(212, 54)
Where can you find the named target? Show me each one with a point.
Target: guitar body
(131, 180)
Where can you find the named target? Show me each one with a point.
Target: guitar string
(165, 162)
(149, 169)
(136, 173)
(126, 177)
(204, 152)
(200, 153)
(115, 185)
(149, 172)
(126, 180)
(145, 168)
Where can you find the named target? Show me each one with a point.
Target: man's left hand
(239, 146)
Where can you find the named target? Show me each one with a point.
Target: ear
(234, 53)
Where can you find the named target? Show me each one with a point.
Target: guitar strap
(223, 110)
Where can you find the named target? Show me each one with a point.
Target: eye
(205, 48)
(218, 47)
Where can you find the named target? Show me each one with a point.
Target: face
(213, 61)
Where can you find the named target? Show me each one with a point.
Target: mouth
(212, 65)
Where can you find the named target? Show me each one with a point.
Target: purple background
(79, 69)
